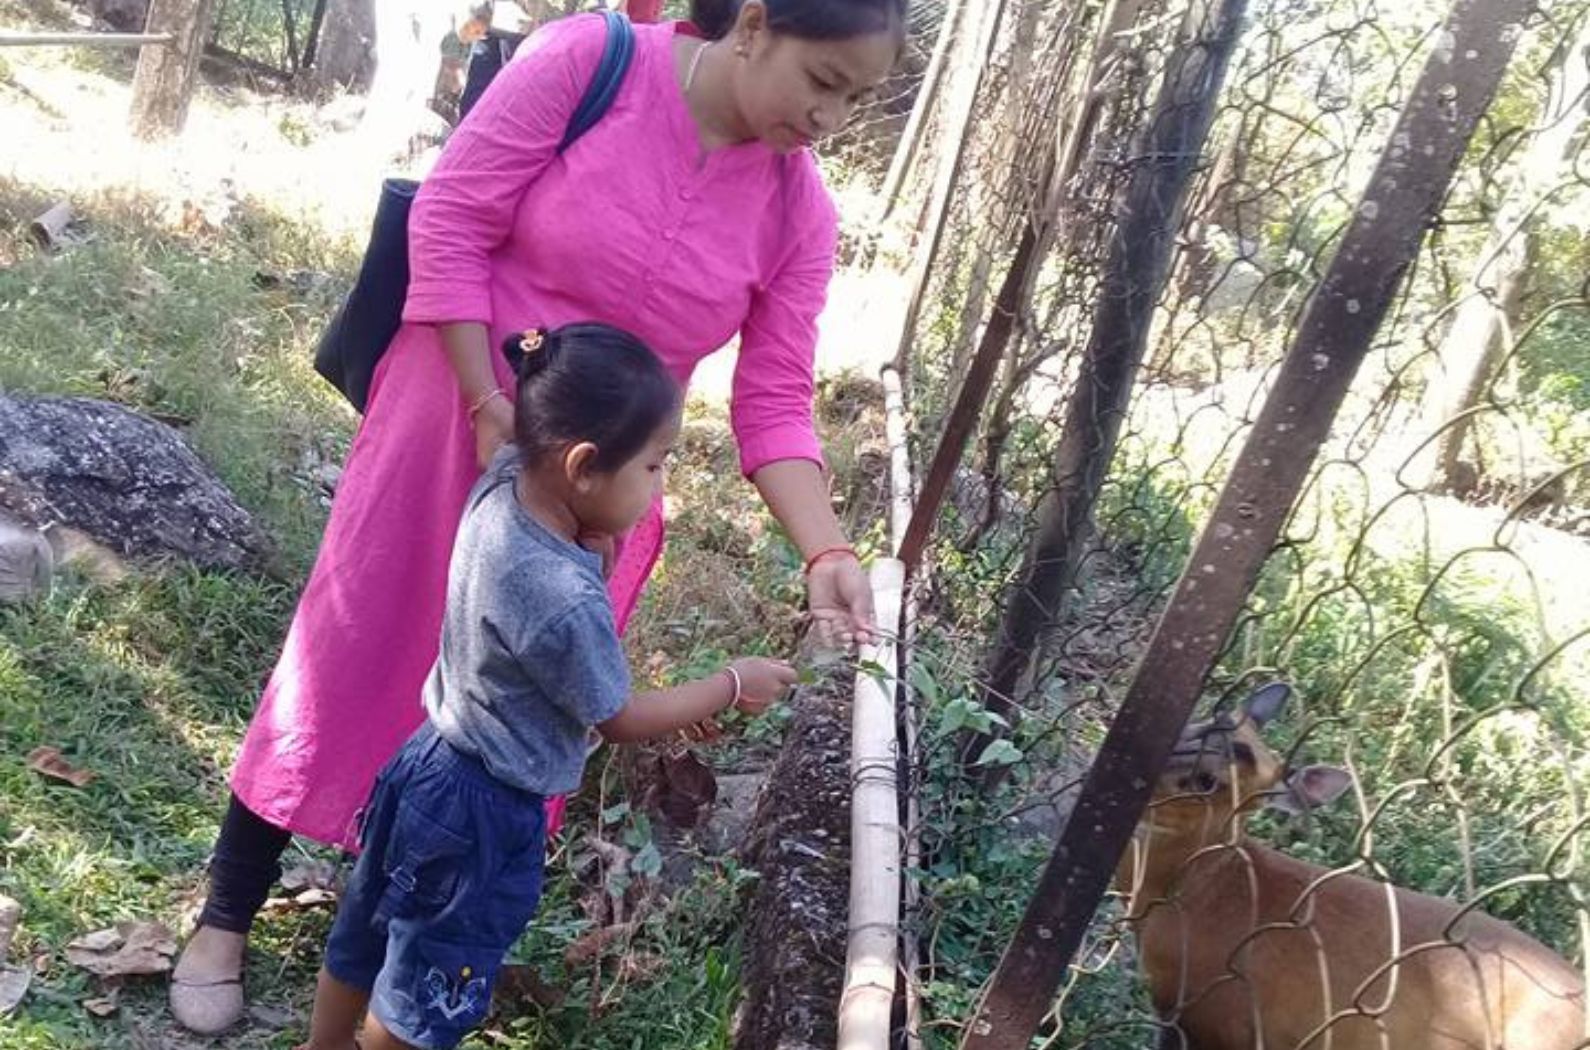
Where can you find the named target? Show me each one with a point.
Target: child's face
(613, 501)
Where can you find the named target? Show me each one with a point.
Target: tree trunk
(1015, 295)
(1195, 267)
(345, 51)
(166, 75)
(1477, 340)
(1475, 344)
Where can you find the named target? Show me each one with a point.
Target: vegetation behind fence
(1425, 598)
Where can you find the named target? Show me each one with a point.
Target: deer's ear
(1310, 788)
(1266, 702)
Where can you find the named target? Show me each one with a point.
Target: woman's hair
(808, 19)
(588, 382)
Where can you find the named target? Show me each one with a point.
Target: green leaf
(875, 670)
(614, 814)
(956, 713)
(647, 862)
(1000, 753)
(924, 682)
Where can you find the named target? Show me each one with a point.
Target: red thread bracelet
(842, 548)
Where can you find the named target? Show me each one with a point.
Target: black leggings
(247, 862)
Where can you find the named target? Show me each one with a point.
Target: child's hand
(762, 681)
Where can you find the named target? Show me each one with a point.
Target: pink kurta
(628, 227)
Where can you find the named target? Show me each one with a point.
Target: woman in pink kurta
(691, 213)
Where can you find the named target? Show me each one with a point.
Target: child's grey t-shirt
(530, 657)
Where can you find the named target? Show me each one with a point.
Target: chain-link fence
(1425, 597)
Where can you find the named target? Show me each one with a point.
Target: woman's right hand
(493, 428)
(762, 681)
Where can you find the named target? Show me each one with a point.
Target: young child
(454, 833)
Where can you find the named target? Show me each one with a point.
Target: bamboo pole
(866, 1005)
(901, 487)
(10, 39)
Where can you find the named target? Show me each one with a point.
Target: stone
(123, 480)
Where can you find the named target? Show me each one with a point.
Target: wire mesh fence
(1424, 600)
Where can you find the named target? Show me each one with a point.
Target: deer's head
(1221, 770)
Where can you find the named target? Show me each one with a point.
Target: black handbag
(370, 316)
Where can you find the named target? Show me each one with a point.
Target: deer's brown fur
(1245, 947)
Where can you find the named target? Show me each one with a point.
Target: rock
(124, 480)
(27, 562)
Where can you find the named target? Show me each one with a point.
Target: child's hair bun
(529, 352)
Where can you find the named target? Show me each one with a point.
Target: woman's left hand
(840, 598)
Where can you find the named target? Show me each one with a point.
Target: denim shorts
(448, 877)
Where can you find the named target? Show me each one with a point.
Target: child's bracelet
(739, 690)
(480, 402)
(841, 548)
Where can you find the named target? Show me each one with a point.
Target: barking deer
(1246, 948)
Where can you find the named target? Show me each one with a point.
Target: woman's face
(792, 91)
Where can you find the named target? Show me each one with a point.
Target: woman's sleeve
(771, 405)
(466, 205)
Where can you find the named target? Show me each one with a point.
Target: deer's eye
(1204, 782)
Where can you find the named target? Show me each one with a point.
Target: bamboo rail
(866, 1006)
(10, 39)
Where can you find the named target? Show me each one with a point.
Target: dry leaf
(105, 1005)
(520, 981)
(593, 944)
(14, 983)
(100, 940)
(310, 898)
(131, 948)
(47, 762)
(640, 967)
(684, 788)
(10, 916)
